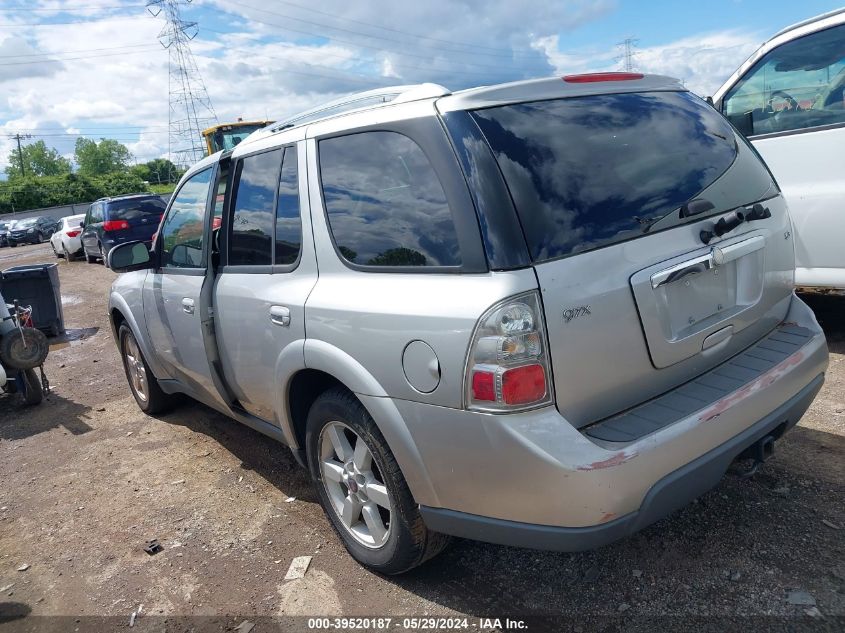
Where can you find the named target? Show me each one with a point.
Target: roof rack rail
(390, 94)
(817, 18)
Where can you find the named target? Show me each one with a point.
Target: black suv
(112, 221)
(31, 230)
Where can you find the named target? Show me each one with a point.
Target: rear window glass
(385, 204)
(588, 172)
(134, 209)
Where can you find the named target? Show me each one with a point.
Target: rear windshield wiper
(696, 206)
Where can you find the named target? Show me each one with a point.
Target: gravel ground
(88, 479)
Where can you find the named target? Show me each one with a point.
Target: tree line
(38, 176)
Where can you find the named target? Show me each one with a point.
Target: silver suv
(543, 314)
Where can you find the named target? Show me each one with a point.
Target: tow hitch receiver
(760, 451)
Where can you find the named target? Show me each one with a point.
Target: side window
(181, 234)
(385, 204)
(288, 222)
(253, 214)
(796, 86)
(94, 216)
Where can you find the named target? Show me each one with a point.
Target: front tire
(142, 383)
(89, 259)
(55, 252)
(361, 488)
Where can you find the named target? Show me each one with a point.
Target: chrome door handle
(280, 315)
(188, 305)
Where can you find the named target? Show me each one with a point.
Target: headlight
(30, 231)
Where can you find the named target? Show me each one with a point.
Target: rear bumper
(532, 479)
(670, 493)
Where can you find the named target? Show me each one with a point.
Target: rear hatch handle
(718, 256)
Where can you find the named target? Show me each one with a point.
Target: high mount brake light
(508, 367)
(594, 77)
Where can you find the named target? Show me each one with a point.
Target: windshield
(229, 139)
(586, 172)
(135, 209)
(20, 224)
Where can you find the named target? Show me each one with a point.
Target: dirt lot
(87, 479)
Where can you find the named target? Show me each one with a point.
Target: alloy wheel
(354, 485)
(135, 368)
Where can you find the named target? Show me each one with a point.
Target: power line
(492, 52)
(503, 51)
(69, 9)
(70, 59)
(351, 43)
(14, 25)
(78, 50)
(495, 70)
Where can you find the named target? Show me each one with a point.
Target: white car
(788, 99)
(65, 241)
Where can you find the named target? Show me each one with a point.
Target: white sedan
(65, 241)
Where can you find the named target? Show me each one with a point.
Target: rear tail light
(508, 366)
(115, 225)
(72, 233)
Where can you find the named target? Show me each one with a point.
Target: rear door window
(587, 172)
(386, 206)
(252, 232)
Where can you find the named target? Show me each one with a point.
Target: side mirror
(129, 256)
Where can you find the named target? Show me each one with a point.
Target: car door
(171, 295)
(93, 220)
(267, 274)
(791, 106)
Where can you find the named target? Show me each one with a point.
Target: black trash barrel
(38, 286)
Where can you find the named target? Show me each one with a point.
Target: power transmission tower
(18, 138)
(628, 53)
(190, 109)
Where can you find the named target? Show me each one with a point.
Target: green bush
(36, 192)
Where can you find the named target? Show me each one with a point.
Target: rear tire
(408, 542)
(31, 393)
(142, 383)
(68, 256)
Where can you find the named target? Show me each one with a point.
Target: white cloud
(274, 65)
(703, 62)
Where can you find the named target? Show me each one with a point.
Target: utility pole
(190, 106)
(18, 138)
(628, 53)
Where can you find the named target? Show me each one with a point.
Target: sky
(96, 68)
